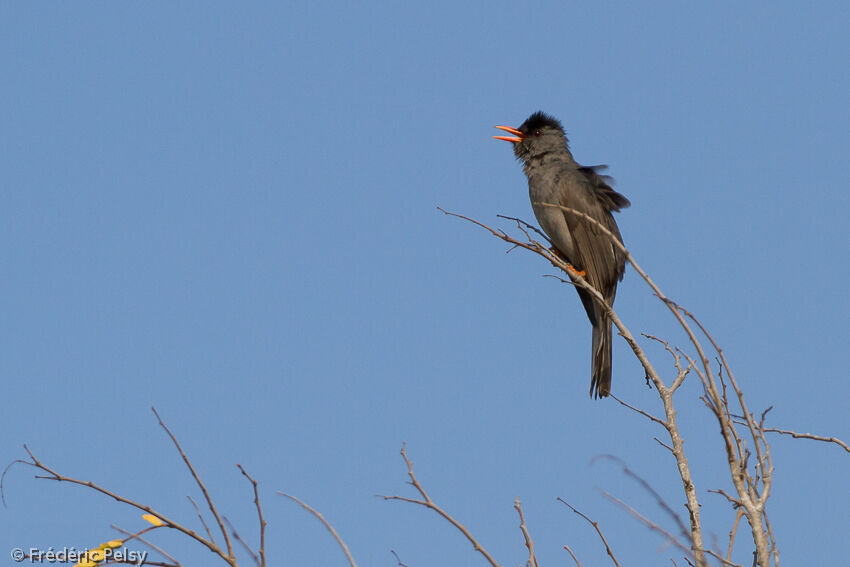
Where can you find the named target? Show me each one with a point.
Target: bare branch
(811, 436)
(722, 559)
(676, 353)
(596, 527)
(648, 487)
(428, 503)
(570, 551)
(327, 525)
(529, 543)
(522, 223)
(201, 518)
(3, 477)
(773, 549)
(53, 475)
(262, 550)
(725, 425)
(750, 498)
(673, 353)
(664, 392)
(241, 541)
(159, 550)
(649, 523)
(640, 411)
(397, 558)
(734, 501)
(663, 444)
(231, 557)
(739, 513)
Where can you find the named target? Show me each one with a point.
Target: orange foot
(570, 267)
(581, 273)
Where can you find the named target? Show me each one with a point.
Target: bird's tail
(600, 382)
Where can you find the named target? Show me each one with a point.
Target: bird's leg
(570, 267)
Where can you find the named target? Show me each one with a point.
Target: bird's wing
(601, 185)
(589, 193)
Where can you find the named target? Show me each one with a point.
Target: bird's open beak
(517, 137)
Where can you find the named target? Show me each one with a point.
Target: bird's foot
(581, 273)
(570, 267)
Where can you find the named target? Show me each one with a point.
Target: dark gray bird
(555, 178)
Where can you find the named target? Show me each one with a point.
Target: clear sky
(228, 211)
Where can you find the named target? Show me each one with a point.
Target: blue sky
(228, 211)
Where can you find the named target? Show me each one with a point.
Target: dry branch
(327, 525)
(428, 503)
(811, 436)
(227, 555)
(174, 562)
(262, 551)
(230, 556)
(665, 393)
(529, 543)
(598, 531)
(752, 478)
(168, 523)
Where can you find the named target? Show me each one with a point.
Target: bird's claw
(581, 273)
(570, 267)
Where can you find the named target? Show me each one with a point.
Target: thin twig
(739, 513)
(811, 436)
(723, 559)
(648, 487)
(525, 224)
(596, 527)
(3, 478)
(201, 517)
(142, 540)
(241, 541)
(773, 549)
(734, 501)
(681, 373)
(428, 503)
(640, 411)
(529, 543)
(397, 558)
(570, 551)
(649, 523)
(665, 445)
(327, 525)
(165, 520)
(262, 550)
(200, 484)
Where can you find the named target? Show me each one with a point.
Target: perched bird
(554, 178)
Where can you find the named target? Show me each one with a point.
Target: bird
(556, 180)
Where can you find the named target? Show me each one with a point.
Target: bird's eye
(537, 132)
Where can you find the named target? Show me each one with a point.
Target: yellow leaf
(96, 555)
(112, 544)
(86, 564)
(153, 519)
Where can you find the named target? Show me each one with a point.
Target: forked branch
(430, 504)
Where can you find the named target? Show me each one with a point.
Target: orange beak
(517, 135)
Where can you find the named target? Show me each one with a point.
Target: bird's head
(538, 135)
